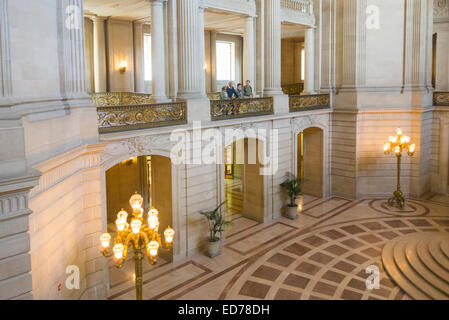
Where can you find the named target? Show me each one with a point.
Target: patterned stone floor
(322, 255)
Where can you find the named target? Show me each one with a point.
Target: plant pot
(292, 212)
(213, 248)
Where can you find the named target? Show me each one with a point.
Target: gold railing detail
(441, 99)
(214, 96)
(309, 102)
(293, 89)
(123, 118)
(304, 6)
(240, 108)
(113, 99)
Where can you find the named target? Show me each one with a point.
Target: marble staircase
(419, 264)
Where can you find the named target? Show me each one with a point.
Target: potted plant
(293, 186)
(217, 224)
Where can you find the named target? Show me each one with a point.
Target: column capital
(156, 2)
(97, 18)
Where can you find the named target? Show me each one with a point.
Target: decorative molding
(14, 204)
(441, 10)
(300, 124)
(62, 167)
(247, 7)
(298, 12)
(136, 146)
(441, 99)
(14, 193)
(5, 59)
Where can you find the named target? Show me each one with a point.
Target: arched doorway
(310, 161)
(244, 185)
(151, 177)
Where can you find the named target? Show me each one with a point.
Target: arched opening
(151, 177)
(244, 185)
(310, 161)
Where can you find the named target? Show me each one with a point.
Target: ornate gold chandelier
(142, 238)
(398, 144)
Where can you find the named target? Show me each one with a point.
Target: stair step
(419, 264)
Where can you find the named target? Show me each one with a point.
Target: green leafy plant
(217, 223)
(293, 186)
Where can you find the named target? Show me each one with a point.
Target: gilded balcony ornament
(309, 102)
(441, 99)
(132, 117)
(240, 108)
(114, 99)
(293, 89)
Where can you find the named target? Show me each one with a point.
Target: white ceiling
(120, 9)
(290, 30)
(221, 21)
(224, 22)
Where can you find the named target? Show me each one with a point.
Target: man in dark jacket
(232, 93)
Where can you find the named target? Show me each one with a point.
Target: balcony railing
(240, 108)
(309, 102)
(293, 89)
(304, 6)
(121, 99)
(124, 118)
(441, 99)
(214, 96)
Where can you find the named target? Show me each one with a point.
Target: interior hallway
(322, 255)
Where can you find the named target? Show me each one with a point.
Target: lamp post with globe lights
(141, 238)
(398, 144)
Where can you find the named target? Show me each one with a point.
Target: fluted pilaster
(72, 48)
(5, 67)
(309, 46)
(249, 51)
(273, 47)
(99, 54)
(139, 63)
(188, 74)
(158, 50)
(201, 53)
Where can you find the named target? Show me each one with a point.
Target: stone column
(213, 60)
(139, 63)
(100, 54)
(249, 56)
(158, 51)
(273, 47)
(260, 48)
(188, 75)
(309, 47)
(201, 48)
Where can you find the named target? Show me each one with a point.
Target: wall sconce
(205, 66)
(123, 66)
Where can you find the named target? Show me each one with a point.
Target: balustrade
(240, 108)
(309, 102)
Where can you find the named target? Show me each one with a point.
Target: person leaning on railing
(223, 93)
(240, 94)
(232, 93)
(248, 90)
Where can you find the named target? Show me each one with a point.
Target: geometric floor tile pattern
(322, 255)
